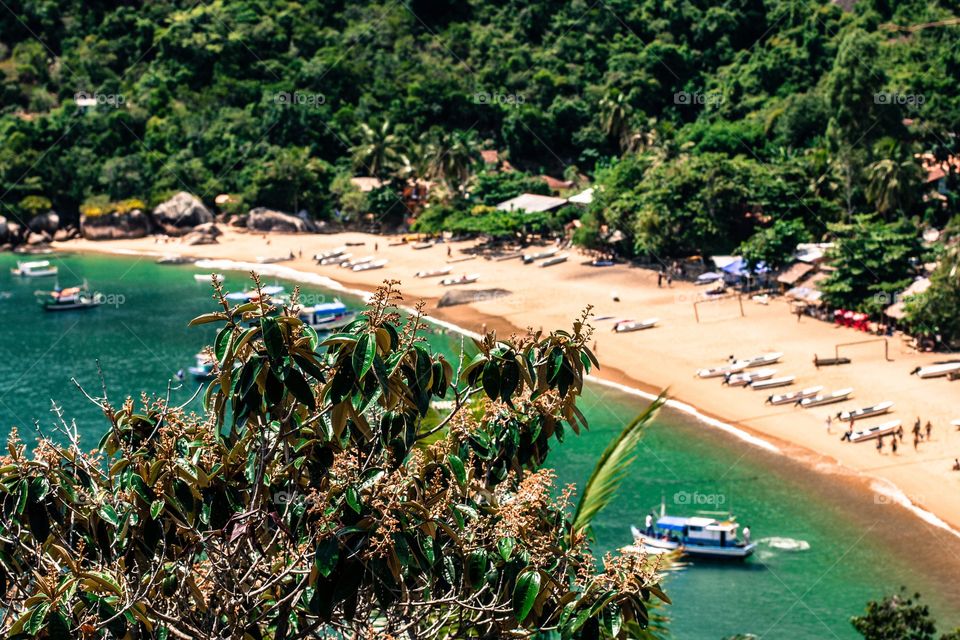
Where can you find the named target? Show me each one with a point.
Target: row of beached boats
(343, 258)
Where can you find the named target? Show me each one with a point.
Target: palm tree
(378, 152)
(451, 157)
(892, 181)
(615, 115)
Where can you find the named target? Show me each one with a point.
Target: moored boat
(795, 396)
(69, 299)
(828, 398)
(783, 381)
(625, 326)
(937, 370)
(207, 277)
(875, 432)
(696, 536)
(866, 412)
(417, 246)
(327, 316)
(745, 378)
(34, 269)
(470, 279)
(533, 257)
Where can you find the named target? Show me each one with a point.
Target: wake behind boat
(696, 536)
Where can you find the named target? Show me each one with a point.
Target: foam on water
(786, 544)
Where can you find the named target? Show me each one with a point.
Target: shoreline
(458, 318)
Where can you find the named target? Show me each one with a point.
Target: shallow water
(827, 544)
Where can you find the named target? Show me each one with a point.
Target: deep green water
(827, 545)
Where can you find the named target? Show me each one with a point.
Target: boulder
(181, 213)
(37, 237)
(202, 234)
(4, 228)
(263, 219)
(67, 233)
(47, 222)
(115, 226)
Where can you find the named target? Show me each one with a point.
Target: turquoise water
(826, 545)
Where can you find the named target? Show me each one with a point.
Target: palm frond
(612, 467)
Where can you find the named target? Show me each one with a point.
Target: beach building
(532, 203)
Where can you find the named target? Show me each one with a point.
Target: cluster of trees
(899, 616)
(321, 493)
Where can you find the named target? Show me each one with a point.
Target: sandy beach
(668, 355)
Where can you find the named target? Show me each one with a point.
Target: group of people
(919, 435)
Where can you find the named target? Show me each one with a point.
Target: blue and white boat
(251, 295)
(328, 316)
(696, 536)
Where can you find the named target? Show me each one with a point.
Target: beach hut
(532, 203)
(897, 310)
(793, 275)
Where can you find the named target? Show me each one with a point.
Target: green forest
(705, 126)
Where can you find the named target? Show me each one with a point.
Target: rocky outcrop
(180, 214)
(263, 219)
(37, 237)
(115, 226)
(66, 233)
(47, 222)
(4, 229)
(203, 234)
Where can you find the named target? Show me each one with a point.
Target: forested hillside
(726, 113)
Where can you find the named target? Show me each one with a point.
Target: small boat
(338, 259)
(207, 277)
(829, 398)
(250, 295)
(417, 246)
(875, 432)
(625, 326)
(533, 257)
(449, 282)
(936, 370)
(333, 253)
(600, 263)
(761, 360)
(367, 266)
(745, 378)
(783, 381)
(274, 259)
(507, 256)
(555, 260)
(350, 264)
(327, 316)
(35, 269)
(794, 396)
(716, 372)
(203, 369)
(697, 536)
(433, 273)
(866, 412)
(69, 299)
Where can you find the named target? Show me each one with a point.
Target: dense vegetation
(321, 493)
(705, 125)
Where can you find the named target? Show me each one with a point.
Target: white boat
(333, 253)
(367, 266)
(69, 299)
(203, 369)
(274, 259)
(745, 378)
(350, 264)
(625, 326)
(433, 273)
(470, 279)
(251, 294)
(829, 398)
(533, 257)
(328, 316)
(553, 261)
(417, 246)
(875, 432)
(794, 396)
(937, 370)
(35, 269)
(207, 277)
(866, 412)
(697, 536)
(338, 259)
(175, 259)
(783, 381)
(716, 372)
(761, 360)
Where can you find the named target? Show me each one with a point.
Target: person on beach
(929, 429)
(449, 252)
(956, 464)
(916, 440)
(893, 445)
(880, 445)
(669, 279)
(900, 433)
(376, 247)
(847, 435)
(916, 427)
(660, 278)
(829, 423)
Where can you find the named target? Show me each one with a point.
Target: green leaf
(273, 338)
(363, 353)
(325, 559)
(505, 547)
(156, 508)
(456, 464)
(353, 499)
(221, 342)
(297, 385)
(35, 622)
(109, 514)
(491, 380)
(525, 593)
